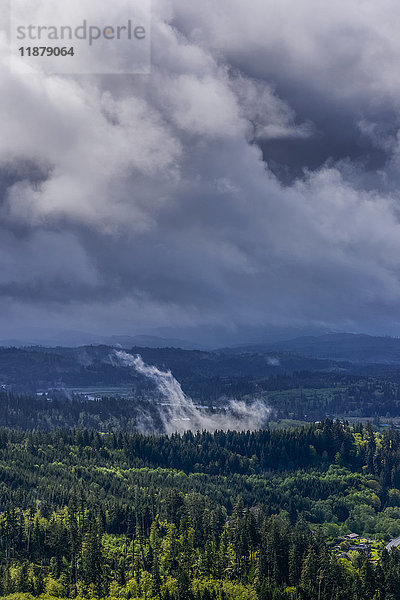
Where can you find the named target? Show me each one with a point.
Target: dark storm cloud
(334, 64)
(250, 181)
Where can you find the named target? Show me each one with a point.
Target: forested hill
(358, 348)
(350, 347)
(224, 516)
(36, 368)
(294, 386)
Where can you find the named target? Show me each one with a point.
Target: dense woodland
(230, 515)
(90, 508)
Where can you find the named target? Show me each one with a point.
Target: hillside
(199, 517)
(38, 367)
(358, 348)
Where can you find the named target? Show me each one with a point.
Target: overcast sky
(252, 180)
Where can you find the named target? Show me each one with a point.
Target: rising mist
(178, 413)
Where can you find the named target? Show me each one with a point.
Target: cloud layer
(250, 180)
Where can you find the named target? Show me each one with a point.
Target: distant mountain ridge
(356, 348)
(126, 341)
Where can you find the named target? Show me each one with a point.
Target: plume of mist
(273, 361)
(179, 413)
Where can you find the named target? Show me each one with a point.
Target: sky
(249, 183)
